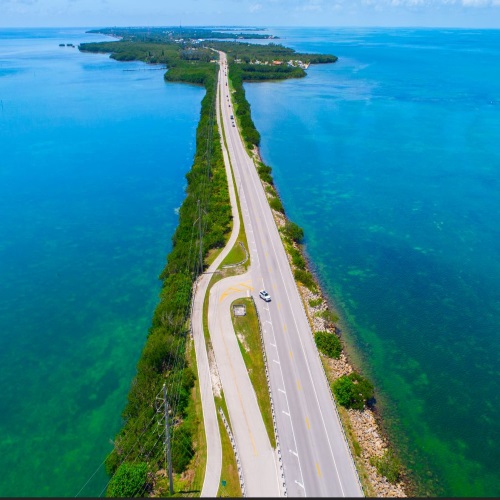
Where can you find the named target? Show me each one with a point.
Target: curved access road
(257, 457)
(315, 454)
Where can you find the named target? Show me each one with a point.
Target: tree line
(163, 360)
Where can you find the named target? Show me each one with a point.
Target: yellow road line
(299, 387)
(308, 423)
(318, 469)
(253, 444)
(291, 355)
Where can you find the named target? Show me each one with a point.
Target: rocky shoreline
(363, 432)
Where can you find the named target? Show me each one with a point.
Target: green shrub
(352, 391)
(275, 204)
(297, 259)
(357, 447)
(128, 481)
(315, 302)
(305, 278)
(293, 231)
(329, 344)
(388, 466)
(328, 316)
(265, 173)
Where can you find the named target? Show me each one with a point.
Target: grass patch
(215, 277)
(297, 258)
(235, 256)
(315, 302)
(388, 465)
(229, 472)
(211, 256)
(275, 204)
(306, 278)
(248, 327)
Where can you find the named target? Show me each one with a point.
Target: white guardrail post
(276, 436)
(235, 449)
(326, 377)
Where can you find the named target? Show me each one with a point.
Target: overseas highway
(315, 456)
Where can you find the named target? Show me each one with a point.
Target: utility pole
(168, 456)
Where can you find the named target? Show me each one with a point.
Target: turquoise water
(92, 161)
(390, 161)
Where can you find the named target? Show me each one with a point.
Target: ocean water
(92, 161)
(390, 161)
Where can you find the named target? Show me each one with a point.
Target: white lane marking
(300, 484)
(235, 153)
(293, 452)
(274, 345)
(281, 390)
(277, 362)
(287, 414)
(262, 211)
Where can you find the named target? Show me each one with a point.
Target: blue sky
(100, 13)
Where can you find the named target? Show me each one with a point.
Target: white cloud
(431, 3)
(255, 7)
(476, 3)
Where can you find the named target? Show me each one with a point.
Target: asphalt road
(316, 457)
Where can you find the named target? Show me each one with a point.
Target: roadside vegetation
(388, 465)
(247, 330)
(353, 391)
(328, 344)
(163, 359)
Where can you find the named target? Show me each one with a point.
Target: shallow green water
(389, 159)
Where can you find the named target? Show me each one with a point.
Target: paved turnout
(257, 457)
(316, 457)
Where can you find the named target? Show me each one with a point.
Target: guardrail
(235, 449)
(332, 396)
(324, 371)
(276, 436)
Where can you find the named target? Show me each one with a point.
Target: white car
(264, 296)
